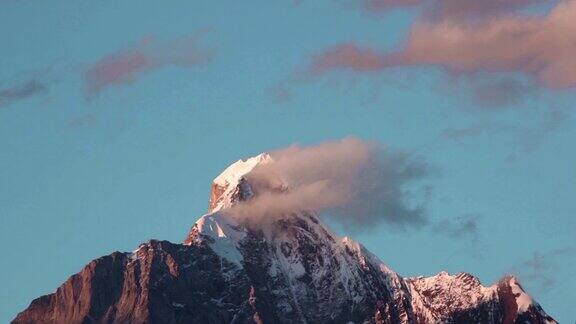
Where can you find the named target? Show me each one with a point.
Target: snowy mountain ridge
(293, 270)
(460, 291)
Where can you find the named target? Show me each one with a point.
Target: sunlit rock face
(290, 269)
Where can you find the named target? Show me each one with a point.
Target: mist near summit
(354, 182)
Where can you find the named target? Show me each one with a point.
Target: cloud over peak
(354, 182)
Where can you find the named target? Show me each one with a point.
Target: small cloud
(384, 5)
(21, 91)
(540, 267)
(500, 93)
(470, 10)
(533, 137)
(127, 65)
(280, 93)
(83, 120)
(463, 226)
(351, 57)
(454, 10)
(458, 134)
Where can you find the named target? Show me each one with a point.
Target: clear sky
(116, 115)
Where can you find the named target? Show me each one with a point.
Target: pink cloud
(541, 47)
(351, 57)
(126, 65)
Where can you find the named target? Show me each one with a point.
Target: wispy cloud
(352, 57)
(21, 91)
(466, 225)
(467, 10)
(497, 93)
(540, 267)
(526, 138)
(383, 5)
(551, 122)
(459, 134)
(82, 120)
(452, 9)
(127, 65)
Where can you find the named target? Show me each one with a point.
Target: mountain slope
(293, 269)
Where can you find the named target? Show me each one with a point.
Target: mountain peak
(240, 168)
(268, 269)
(230, 186)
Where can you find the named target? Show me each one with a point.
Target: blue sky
(87, 170)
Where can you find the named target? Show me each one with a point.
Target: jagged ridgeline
(288, 269)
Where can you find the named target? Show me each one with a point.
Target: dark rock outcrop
(161, 282)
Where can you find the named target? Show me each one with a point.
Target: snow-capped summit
(230, 186)
(220, 229)
(240, 168)
(295, 270)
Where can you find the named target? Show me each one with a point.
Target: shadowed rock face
(292, 271)
(162, 282)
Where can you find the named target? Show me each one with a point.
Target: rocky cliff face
(293, 270)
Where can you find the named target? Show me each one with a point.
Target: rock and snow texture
(293, 270)
(442, 295)
(523, 300)
(230, 187)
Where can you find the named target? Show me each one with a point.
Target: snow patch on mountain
(240, 168)
(224, 233)
(523, 300)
